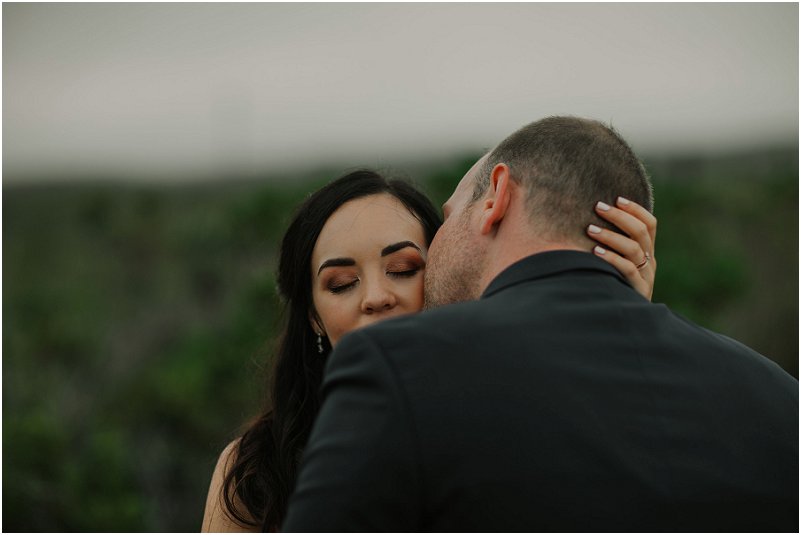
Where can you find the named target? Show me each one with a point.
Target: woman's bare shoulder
(216, 518)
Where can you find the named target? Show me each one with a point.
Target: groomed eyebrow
(388, 250)
(334, 262)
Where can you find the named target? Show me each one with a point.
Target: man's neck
(507, 256)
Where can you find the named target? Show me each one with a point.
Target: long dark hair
(263, 471)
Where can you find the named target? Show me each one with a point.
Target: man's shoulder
(755, 365)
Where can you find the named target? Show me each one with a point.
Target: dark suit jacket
(560, 401)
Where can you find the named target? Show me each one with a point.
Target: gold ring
(644, 262)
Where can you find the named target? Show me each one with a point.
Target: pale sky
(151, 89)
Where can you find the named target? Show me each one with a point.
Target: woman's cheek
(339, 316)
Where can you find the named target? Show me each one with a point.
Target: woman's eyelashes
(403, 273)
(338, 284)
(407, 267)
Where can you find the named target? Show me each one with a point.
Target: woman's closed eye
(403, 273)
(401, 268)
(339, 285)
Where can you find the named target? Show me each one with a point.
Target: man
(552, 396)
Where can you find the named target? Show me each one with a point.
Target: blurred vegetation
(138, 321)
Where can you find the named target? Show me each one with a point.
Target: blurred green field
(138, 320)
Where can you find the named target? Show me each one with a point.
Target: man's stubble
(455, 264)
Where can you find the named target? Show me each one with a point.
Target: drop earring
(320, 343)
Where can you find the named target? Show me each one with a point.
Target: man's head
(566, 165)
(534, 192)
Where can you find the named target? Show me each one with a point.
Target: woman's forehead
(367, 223)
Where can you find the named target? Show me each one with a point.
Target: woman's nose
(378, 297)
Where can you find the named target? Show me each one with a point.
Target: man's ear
(496, 203)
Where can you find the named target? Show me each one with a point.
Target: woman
(354, 254)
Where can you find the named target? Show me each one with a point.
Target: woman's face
(367, 265)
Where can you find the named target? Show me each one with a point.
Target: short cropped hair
(567, 164)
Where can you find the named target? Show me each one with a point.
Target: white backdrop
(195, 88)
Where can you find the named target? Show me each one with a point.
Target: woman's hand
(632, 255)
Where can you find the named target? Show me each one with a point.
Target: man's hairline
(482, 172)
